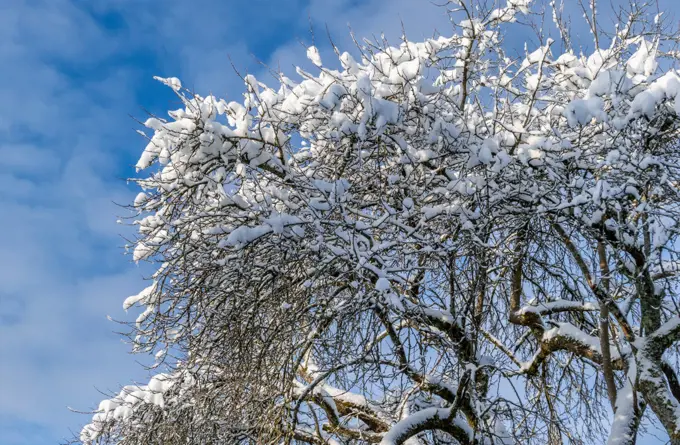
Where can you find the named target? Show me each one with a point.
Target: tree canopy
(430, 243)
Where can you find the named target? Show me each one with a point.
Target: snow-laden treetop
(438, 240)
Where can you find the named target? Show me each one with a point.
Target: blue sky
(74, 74)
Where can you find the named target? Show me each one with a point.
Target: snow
(314, 56)
(140, 199)
(485, 154)
(645, 103)
(409, 70)
(669, 327)
(558, 305)
(621, 432)
(107, 405)
(382, 285)
(123, 406)
(242, 236)
(592, 342)
(569, 330)
(609, 82)
(583, 111)
(172, 82)
(145, 249)
(401, 429)
(142, 297)
(643, 61)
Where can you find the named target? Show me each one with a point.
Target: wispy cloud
(63, 126)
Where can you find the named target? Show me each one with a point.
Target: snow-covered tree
(431, 243)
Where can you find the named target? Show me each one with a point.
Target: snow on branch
(437, 241)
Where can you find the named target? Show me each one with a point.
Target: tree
(437, 243)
